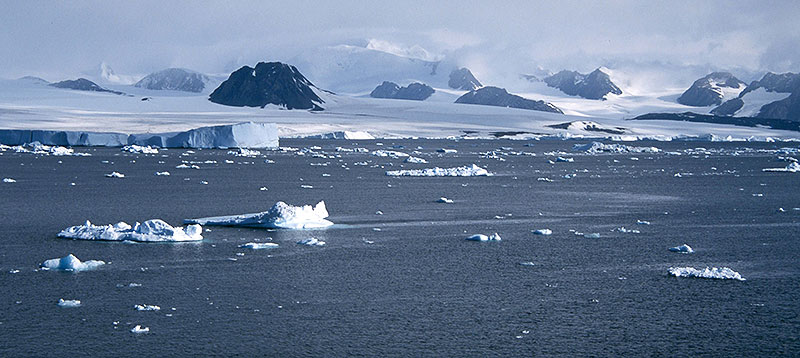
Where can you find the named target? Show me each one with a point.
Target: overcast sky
(64, 39)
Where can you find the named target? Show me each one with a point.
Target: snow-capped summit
(595, 85)
(108, 76)
(463, 79)
(174, 79)
(494, 96)
(268, 83)
(775, 96)
(711, 90)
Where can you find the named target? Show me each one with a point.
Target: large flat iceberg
(240, 135)
(279, 216)
(155, 230)
(723, 273)
(71, 263)
(465, 171)
(598, 147)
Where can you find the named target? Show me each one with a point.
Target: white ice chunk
(147, 308)
(140, 149)
(279, 216)
(482, 237)
(162, 173)
(149, 231)
(597, 147)
(723, 273)
(139, 329)
(465, 171)
(444, 200)
(9, 180)
(389, 153)
(565, 160)
(244, 152)
(543, 232)
(594, 235)
(415, 160)
(68, 303)
(115, 175)
(71, 263)
(352, 135)
(311, 242)
(447, 151)
(684, 249)
(258, 245)
(793, 167)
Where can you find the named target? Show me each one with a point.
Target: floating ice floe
(244, 152)
(9, 180)
(115, 175)
(415, 160)
(565, 160)
(41, 149)
(259, 245)
(642, 222)
(444, 200)
(162, 174)
(351, 135)
(527, 263)
(684, 249)
(594, 235)
(482, 237)
(723, 273)
(155, 230)
(68, 303)
(139, 329)
(71, 263)
(147, 308)
(447, 151)
(598, 147)
(311, 242)
(279, 216)
(140, 149)
(389, 153)
(793, 167)
(465, 171)
(624, 230)
(187, 166)
(543, 232)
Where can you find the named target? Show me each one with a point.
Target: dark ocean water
(418, 289)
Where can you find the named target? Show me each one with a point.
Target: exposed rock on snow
(711, 90)
(482, 237)
(597, 148)
(684, 249)
(268, 83)
(68, 303)
(499, 97)
(174, 79)
(723, 273)
(279, 216)
(595, 85)
(793, 167)
(311, 242)
(463, 79)
(71, 263)
(155, 230)
(259, 245)
(415, 91)
(466, 171)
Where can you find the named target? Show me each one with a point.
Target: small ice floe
(68, 303)
(415, 160)
(13, 271)
(41, 149)
(542, 232)
(642, 222)
(244, 152)
(465, 171)
(389, 153)
(684, 249)
(263, 188)
(623, 230)
(597, 148)
(306, 186)
(722, 273)
(594, 235)
(565, 160)
(133, 148)
(446, 151)
(148, 231)
(9, 180)
(379, 212)
(279, 216)
(147, 308)
(115, 175)
(71, 263)
(139, 329)
(311, 242)
(187, 166)
(793, 167)
(546, 180)
(259, 245)
(527, 263)
(444, 200)
(162, 173)
(482, 237)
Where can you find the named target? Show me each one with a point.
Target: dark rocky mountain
(83, 84)
(174, 79)
(595, 85)
(268, 83)
(415, 91)
(708, 90)
(787, 108)
(494, 96)
(463, 79)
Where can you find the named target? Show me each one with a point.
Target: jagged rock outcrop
(494, 96)
(595, 85)
(83, 84)
(268, 83)
(463, 79)
(710, 90)
(174, 79)
(415, 91)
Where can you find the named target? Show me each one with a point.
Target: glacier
(279, 216)
(155, 230)
(71, 263)
(240, 135)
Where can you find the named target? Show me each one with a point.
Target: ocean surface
(397, 277)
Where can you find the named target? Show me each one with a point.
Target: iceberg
(793, 167)
(389, 153)
(147, 308)
(139, 329)
(352, 135)
(465, 171)
(68, 303)
(115, 175)
(447, 151)
(9, 180)
(279, 216)
(684, 249)
(38, 148)
(598, 147)
(564, 160)
(258, 245)
(444, 200)
(482, 237)
(71, 263)
(543, 232)
(155, 230)
(138, 149)
(415, 160)
(723, 273)
(311, 242)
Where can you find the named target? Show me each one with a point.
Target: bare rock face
(494, 96)
(415, 91)
(268, 83)
(595, 85)
(708, 90)
(82, 84)
(463, 79)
